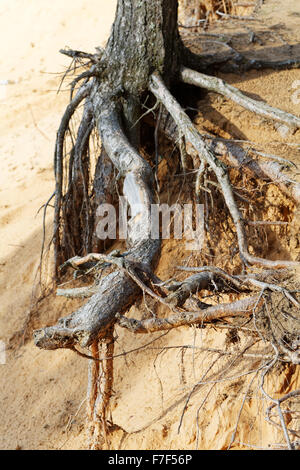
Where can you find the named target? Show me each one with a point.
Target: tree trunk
(144, 38)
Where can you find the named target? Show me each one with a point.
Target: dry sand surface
(42, 394)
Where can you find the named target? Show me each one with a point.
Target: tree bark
(144, 38)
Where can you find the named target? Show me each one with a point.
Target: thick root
(240, 307)
(116, 291)
(220, 86)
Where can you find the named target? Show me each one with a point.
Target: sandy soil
(42, 394)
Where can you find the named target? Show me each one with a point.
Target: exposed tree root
(101, 387)
(92, 392)
(83, 93)
(112, 107)
(278, 403)
(240, 307)
(192, 135)
(234, 63)
(275, 402)
(270, 170)
(116, 292)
